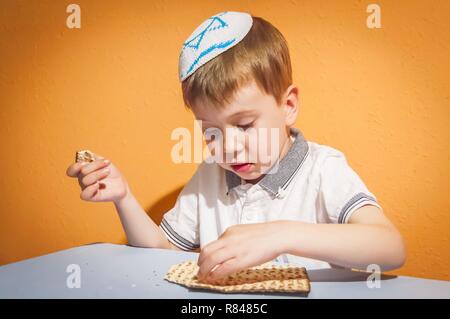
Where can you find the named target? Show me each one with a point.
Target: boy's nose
(233, 144)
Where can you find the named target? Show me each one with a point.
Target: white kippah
(214, 36)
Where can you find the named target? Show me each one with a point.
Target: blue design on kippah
(200, 36)
(208, 50)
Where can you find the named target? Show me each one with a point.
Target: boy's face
(253, 128)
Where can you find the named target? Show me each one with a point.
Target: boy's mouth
(243, 167)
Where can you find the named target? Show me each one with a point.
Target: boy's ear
(290, 104)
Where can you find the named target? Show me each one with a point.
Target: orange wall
(381, 96)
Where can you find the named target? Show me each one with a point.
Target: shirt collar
(288, 166)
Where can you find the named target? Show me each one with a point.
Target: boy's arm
(139, 228)
(369, 238)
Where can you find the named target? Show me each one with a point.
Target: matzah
(263, 278)
(84, 156)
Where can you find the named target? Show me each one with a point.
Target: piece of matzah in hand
(264, 278)
(84, 156)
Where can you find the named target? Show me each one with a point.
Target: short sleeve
(341, 190)
(180, 223)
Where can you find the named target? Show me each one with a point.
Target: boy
(303, 205)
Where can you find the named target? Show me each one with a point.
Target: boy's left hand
(239, 247)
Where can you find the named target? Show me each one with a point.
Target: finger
(74, 169)
(93, 166)
(225, 269)
(90, 191)
(213, 260)
(94, 176)
(209, 249)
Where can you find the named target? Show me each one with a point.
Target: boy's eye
(245, 126)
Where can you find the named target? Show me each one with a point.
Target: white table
(121, 271)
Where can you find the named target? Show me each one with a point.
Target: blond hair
(262, 56)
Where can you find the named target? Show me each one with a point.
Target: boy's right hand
(100, 181)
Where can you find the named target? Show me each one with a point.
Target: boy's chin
(250, 176)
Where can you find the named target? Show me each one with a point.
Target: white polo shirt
(313, 184)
